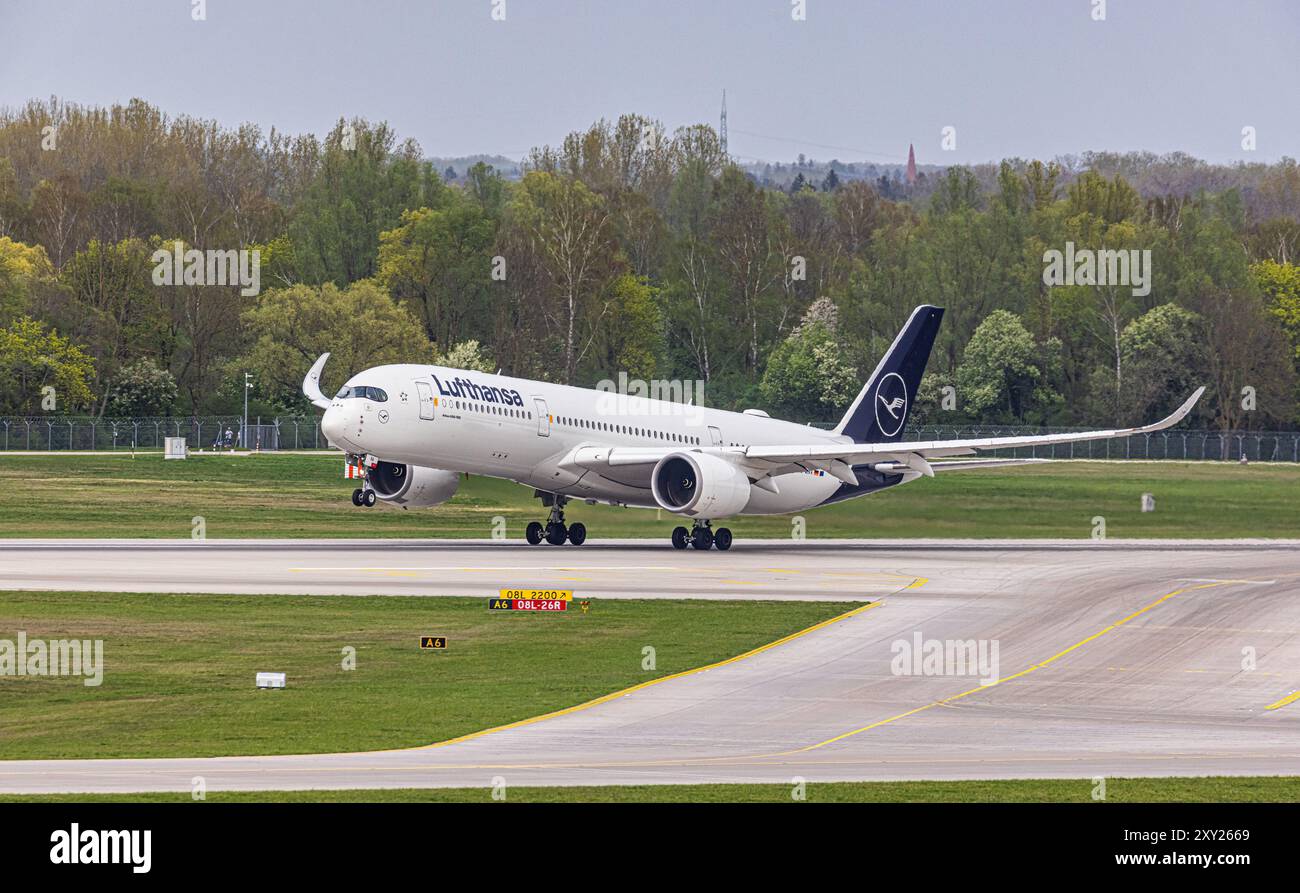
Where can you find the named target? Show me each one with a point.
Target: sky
(858, 81)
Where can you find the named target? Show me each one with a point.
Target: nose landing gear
(702, 536)
(362, 496)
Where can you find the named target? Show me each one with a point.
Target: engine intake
(699, 485)
(412, 485)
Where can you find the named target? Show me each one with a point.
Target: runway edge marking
(603, 699)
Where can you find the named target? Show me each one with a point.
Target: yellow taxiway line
(944, 702)
(1294, 696)
(635, 688)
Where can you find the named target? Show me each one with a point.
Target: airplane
(414, 429)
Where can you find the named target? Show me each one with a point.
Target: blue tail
(879, 414)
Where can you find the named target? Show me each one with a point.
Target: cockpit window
(376, 394)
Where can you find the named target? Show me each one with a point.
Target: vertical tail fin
(879, 414)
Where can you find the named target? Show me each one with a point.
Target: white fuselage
(545, 435)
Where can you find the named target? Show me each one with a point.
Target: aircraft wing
(899, 457)
(915, 454)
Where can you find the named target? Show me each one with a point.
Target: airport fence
(303, 433)
(200, 432)
(1176, 444)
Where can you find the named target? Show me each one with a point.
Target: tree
(361, 326)
(363, 184)
(142, 389)
(1164, 359)
(21, 266)
(1280, 284)
(636, 327)
(693, 287)
(1004, 374)
(808, 376)
(567, 228)
(743, 239)
(116, 308)
(439, 263)
(1111, 200)
(32, 359)
(467, 355)
(1245, 350)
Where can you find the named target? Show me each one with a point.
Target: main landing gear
(555, 532)
(702, 536)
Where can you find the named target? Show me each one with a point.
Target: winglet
(311, 384)
(1181, 412)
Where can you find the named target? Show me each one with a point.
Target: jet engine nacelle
(699, 485)
(412, 485)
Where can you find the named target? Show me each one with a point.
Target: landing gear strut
(702, 536)
(554, 531)
(362, 496)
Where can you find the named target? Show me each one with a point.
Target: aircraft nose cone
(331, 425)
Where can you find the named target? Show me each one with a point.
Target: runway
(1112, 659)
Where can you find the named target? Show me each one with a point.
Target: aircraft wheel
(680, 537)
(356, 497)
(702, 538)
(722, 538)
(370, 498)
(577, 533)
(556, 534)
(534, 533)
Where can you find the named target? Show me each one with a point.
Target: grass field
(306, 496)
(179, 670)
(1118, 790)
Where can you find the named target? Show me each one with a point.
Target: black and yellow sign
(563, 595)
(532, 600)
(433, 643)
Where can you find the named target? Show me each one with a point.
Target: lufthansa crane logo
(891, 404)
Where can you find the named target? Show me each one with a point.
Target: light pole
(243, 429)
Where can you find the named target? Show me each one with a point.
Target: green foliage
(1110, 200)
(32, 359)
(142, 389)
(438, 262)
(1280, 284)
(363, 184)
(626, 247)
(21, 266)
(808, 376)
(467, 355)
(638, 327)
(1005, 375)
(1163, 362)
(360, 325)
